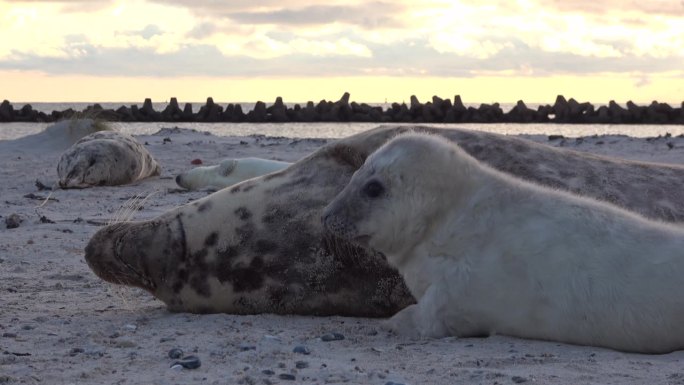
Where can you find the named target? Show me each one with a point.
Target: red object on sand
(196, 161)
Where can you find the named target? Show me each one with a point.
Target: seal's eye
(373, 189)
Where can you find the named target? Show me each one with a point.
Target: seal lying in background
(484, 252)
(260, 247)
(228, 172)
(105, 158)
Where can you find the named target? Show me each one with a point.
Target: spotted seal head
(105, 158)
(260, 247)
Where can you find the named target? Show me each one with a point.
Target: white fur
(228, 172)
(486, 253)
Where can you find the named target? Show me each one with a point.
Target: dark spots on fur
(211, 239)
(235, 189)
(204, 206)
(245, 233)
(179, 243)
(227, 254)
(181, 280)
(248, 187)
(200, 255)
(275, 175)
(248, 278)
(201, 271)
(264, 246)
(276, 215)
(200, 284)
(243, 277)
(243, 213)
(277, 294)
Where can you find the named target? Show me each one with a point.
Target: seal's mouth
(362, 240)
(142, 280)
(106, 257)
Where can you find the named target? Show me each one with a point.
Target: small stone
(175, 353)
(268, 372)
(189, 362)
(336, 379)
(9, 335)
(332, 337)
(301, 349)
(44, 219)
(196, 161)
(28, 327)
(166, 140)
(76, 351)
(393, 383)
(130, 327)
(125, 344)
(13, 221)
(518, 379)
(301, 364)
(246, 347)
(287, 376)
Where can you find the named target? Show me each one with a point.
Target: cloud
(370, 15)
(146, 33)
(457, 38)
(410, 58)
(670, 8)
(203, 30)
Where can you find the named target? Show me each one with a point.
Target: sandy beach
(60, 324)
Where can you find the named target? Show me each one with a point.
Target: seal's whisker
(128, 209)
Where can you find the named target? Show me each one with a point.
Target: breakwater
(437, 110)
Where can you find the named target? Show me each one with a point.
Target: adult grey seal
(105, 158)
(485, 252)
(228, 172)
(260, 247)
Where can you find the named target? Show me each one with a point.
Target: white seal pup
(484, 252)
(105, 158)
(260, 247)
(228, 172)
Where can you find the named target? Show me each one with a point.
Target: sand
(60, 324)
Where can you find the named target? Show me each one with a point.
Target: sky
(240, 50)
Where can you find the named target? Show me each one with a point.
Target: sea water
(340, 130)
(334, 129)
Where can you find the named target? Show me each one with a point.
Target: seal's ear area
(227, 166)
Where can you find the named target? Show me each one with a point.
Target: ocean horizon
(334, 130)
